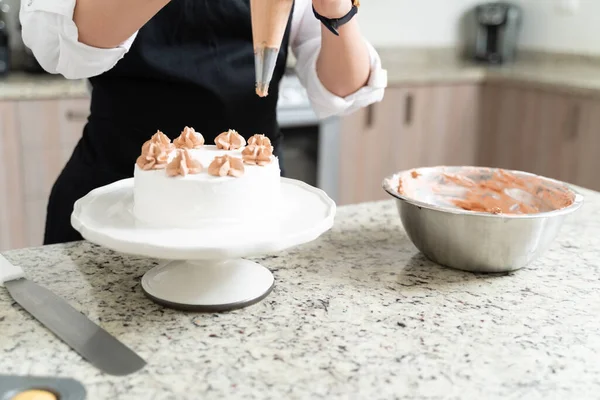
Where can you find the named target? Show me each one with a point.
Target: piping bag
(269, 20)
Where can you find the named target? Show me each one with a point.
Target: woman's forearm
(343, 65)
(108, 23)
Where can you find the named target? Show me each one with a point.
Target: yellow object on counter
(35, 395)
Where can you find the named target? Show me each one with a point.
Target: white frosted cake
(187, 184)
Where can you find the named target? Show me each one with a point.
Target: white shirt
(49, 31)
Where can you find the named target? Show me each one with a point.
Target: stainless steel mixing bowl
(476, 241)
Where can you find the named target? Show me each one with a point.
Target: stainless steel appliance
(310, 151)
(496, 31)
(5, 56)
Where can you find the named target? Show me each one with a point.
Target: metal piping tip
(262, 89)
(265, 60)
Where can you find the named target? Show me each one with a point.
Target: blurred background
(569, 26)
(513, 85)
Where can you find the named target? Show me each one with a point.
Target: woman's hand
(332, 8)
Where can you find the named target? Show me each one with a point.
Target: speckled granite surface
(21, 86)
(571, 73)
(570, 79)
(357, 314)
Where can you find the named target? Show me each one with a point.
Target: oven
(310, 146)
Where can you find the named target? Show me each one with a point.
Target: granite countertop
(577, 75)
(23, 86)
(572, 79)
(358, 313)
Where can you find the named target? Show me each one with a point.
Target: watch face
(356, 3)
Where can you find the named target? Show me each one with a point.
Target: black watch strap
(333, 24)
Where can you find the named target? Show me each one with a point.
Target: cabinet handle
(573, 122)
(408, 109)
(76, 116)
(369, 116)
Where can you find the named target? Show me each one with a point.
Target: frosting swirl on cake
(226, 166)
(183, 163)
(260, 140)
(189, 139)
(159, 139)
(154, 156)
(257, 155)
(230, 140)
(259, 151)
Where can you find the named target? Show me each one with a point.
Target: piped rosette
(189, 139)
(259, 151)
(161, 140)
(155, 152)
(260, 140)
(154, 156)
(230, 140)
(183, 164)
(226, 166)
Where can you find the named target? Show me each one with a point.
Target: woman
(165, 64)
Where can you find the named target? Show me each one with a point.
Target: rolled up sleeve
(49, 31)
(306, 44)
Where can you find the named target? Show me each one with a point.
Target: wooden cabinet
(367, 146)
(12, 212)
(545, 132)
(529, 130)
(37, 139)
(588, 148)
(49, 138)
(557, 137)
(507, 127)
(412, 127)
(514, 126)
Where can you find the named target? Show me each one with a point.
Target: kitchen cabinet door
(588, 147)
(414, 126)
(50, 130)
(558, 136)
(376, 142)
(351, 177)
(530, 130)
(12, 212)
(365, 149)
(438, 127)
(445, 120)
(509, 127)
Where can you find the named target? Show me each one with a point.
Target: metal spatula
(93, 343)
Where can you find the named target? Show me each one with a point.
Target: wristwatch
(334, 23)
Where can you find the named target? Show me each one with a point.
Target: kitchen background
(538, 113)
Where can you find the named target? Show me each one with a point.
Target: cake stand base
(208, 286)
(104, 217)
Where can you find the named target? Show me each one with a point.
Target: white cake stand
(205, 271)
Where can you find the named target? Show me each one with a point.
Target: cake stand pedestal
(208, 285)
(204, 269)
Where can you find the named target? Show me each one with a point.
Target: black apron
(192, 65)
